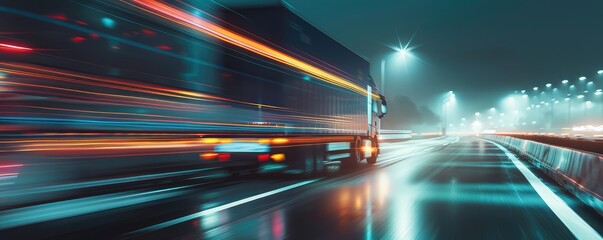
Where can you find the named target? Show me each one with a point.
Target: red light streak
(81, 22)
(14, 48)
(11, 166)
(148, 32)
(164, 47)
(78, 39)
(59, 16)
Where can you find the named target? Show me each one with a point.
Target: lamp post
(402, 52)
(598, 94)
(449, 98)
(569, 106)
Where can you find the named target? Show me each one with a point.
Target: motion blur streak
(224, 207)
(25, 80)
(133, 146)
(194, 22)
(58, 210)
(14, 48)
(27, 70)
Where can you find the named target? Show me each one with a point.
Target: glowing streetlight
(548, 85)
(565, 81)
(400, 52)
(448, 99)
(582, 78)
(403, 52)
(600, 72)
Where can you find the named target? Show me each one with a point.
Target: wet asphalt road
(451, 188)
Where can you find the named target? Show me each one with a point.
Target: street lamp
(401, 52)
(448, 99)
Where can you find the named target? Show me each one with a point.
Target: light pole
(449, 98)
(402, 52)
(598, 94)
(569, 107)
(581, 97)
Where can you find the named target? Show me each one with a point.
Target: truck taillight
(277, 157)
(223, 157)
(209, 156)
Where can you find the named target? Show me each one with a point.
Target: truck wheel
(356, 154)
(375, 152)
(308, 159)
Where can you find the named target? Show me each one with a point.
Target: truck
(345, 121)
(257, 86)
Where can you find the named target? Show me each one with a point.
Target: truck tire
(375, 152)
(309, 160)
(356, 154)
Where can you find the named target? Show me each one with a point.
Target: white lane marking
(571, 219)
(222, 207)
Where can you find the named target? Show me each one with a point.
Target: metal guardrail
(581, 173)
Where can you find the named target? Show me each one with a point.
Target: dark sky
(480, 49)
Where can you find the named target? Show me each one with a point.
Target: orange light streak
(199, 24)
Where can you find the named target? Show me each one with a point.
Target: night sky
(482, 50)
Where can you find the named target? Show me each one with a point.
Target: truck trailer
(256, 86)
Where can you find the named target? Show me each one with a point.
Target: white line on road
(222, 207)
(571, 219)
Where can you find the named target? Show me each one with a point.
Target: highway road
(442, 188)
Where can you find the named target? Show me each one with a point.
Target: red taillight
(263, 157)
(223, 157)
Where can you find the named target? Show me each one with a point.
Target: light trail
(193, 22)
(14, 48)
(48, 82)
(69, 87)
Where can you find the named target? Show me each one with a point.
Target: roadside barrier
(579, 172)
